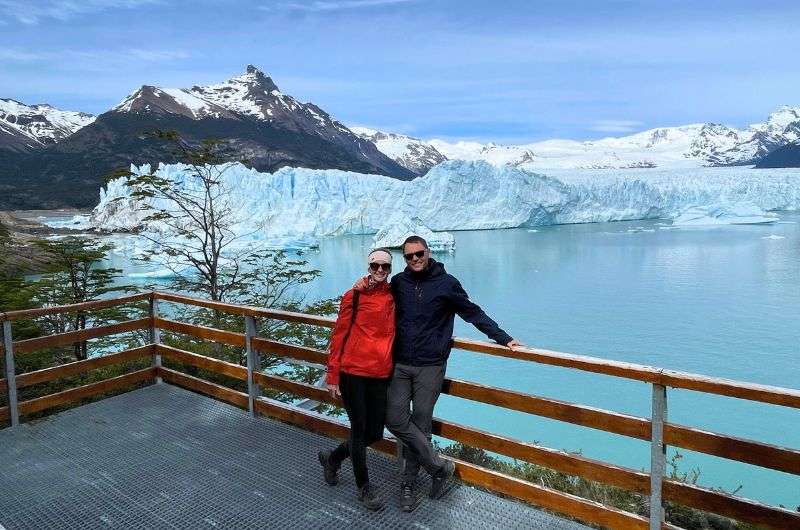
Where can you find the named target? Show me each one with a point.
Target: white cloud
(337, 5)
(616, 126)
(31, 12)
(93, 57)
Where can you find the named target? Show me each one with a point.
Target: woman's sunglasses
(411, 255)
(383, 266)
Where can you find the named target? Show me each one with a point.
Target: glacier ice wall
(295, 204)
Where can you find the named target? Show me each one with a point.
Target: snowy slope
(695, 145)
(411, 153)
(271, 129)
(296, 204)
(38, 125)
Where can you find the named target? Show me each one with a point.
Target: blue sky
(508, 71)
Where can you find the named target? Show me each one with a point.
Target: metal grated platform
(164, 457)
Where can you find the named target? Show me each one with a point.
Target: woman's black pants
(365, 401)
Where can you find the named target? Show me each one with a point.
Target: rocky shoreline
(23, 255)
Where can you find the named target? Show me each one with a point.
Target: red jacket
(368, 351)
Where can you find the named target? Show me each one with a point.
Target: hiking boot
(329, 469)
(441, 479)
(408, 496)
(369, 497)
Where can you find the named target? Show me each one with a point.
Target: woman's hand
(333, 390)
(513, 344)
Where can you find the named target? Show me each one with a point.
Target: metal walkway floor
(164, 457)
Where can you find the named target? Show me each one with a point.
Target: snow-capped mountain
(253, 96)
(702, 144)
(411, 153)
(27, 127)
(260, 124)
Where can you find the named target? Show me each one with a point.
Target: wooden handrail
(66, 370)
(71, 308)
(236, 309)
(201, 361)
(212, 334)
(71, 337)
(81, 392)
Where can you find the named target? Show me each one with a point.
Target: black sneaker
(329, 469)
(441, 479)
(369, 497)
(408, 496)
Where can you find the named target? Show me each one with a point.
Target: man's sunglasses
(412, 255)
(383, 266)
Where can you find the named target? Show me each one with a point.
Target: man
(426, 300)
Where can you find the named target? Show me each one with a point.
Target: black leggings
(365, 401)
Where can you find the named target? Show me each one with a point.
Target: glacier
(296, 206)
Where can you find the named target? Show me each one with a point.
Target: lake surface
(721, 301)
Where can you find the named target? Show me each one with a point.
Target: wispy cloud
(615, 126)
(335, 5)
(32, 12)
(102, 57)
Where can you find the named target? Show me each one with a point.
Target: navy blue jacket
(426, 304)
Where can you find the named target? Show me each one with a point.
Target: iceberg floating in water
(400, 227)
(742, 213)
(300, 205)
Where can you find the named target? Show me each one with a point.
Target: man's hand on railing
(513, 344)
(333, 390)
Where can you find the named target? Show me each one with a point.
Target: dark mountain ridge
(265, 128)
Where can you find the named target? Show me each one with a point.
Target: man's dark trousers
(420, 386)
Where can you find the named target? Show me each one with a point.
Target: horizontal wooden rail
(739, 449)
(282, 349)
(288, 316)
(588, 511)
(787, 397)
(81, 392)
(72, 337)
(72, 308)
(201, 332)
(604, 420)
(223, 393)
(743, 510)
(201, 361)
(66, 370)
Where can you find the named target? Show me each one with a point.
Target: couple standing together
(387, 362)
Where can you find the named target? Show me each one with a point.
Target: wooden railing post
(658, 456)
(155, 334)
(11, 381)
(253, 363)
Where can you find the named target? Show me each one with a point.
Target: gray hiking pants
(419, 386)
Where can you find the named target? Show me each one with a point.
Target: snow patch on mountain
(411, 153)
(42, 123)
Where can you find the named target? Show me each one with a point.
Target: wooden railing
(656, 429)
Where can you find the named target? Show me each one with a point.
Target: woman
(359, 367)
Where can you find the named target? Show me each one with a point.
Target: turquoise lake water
(721, 301)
